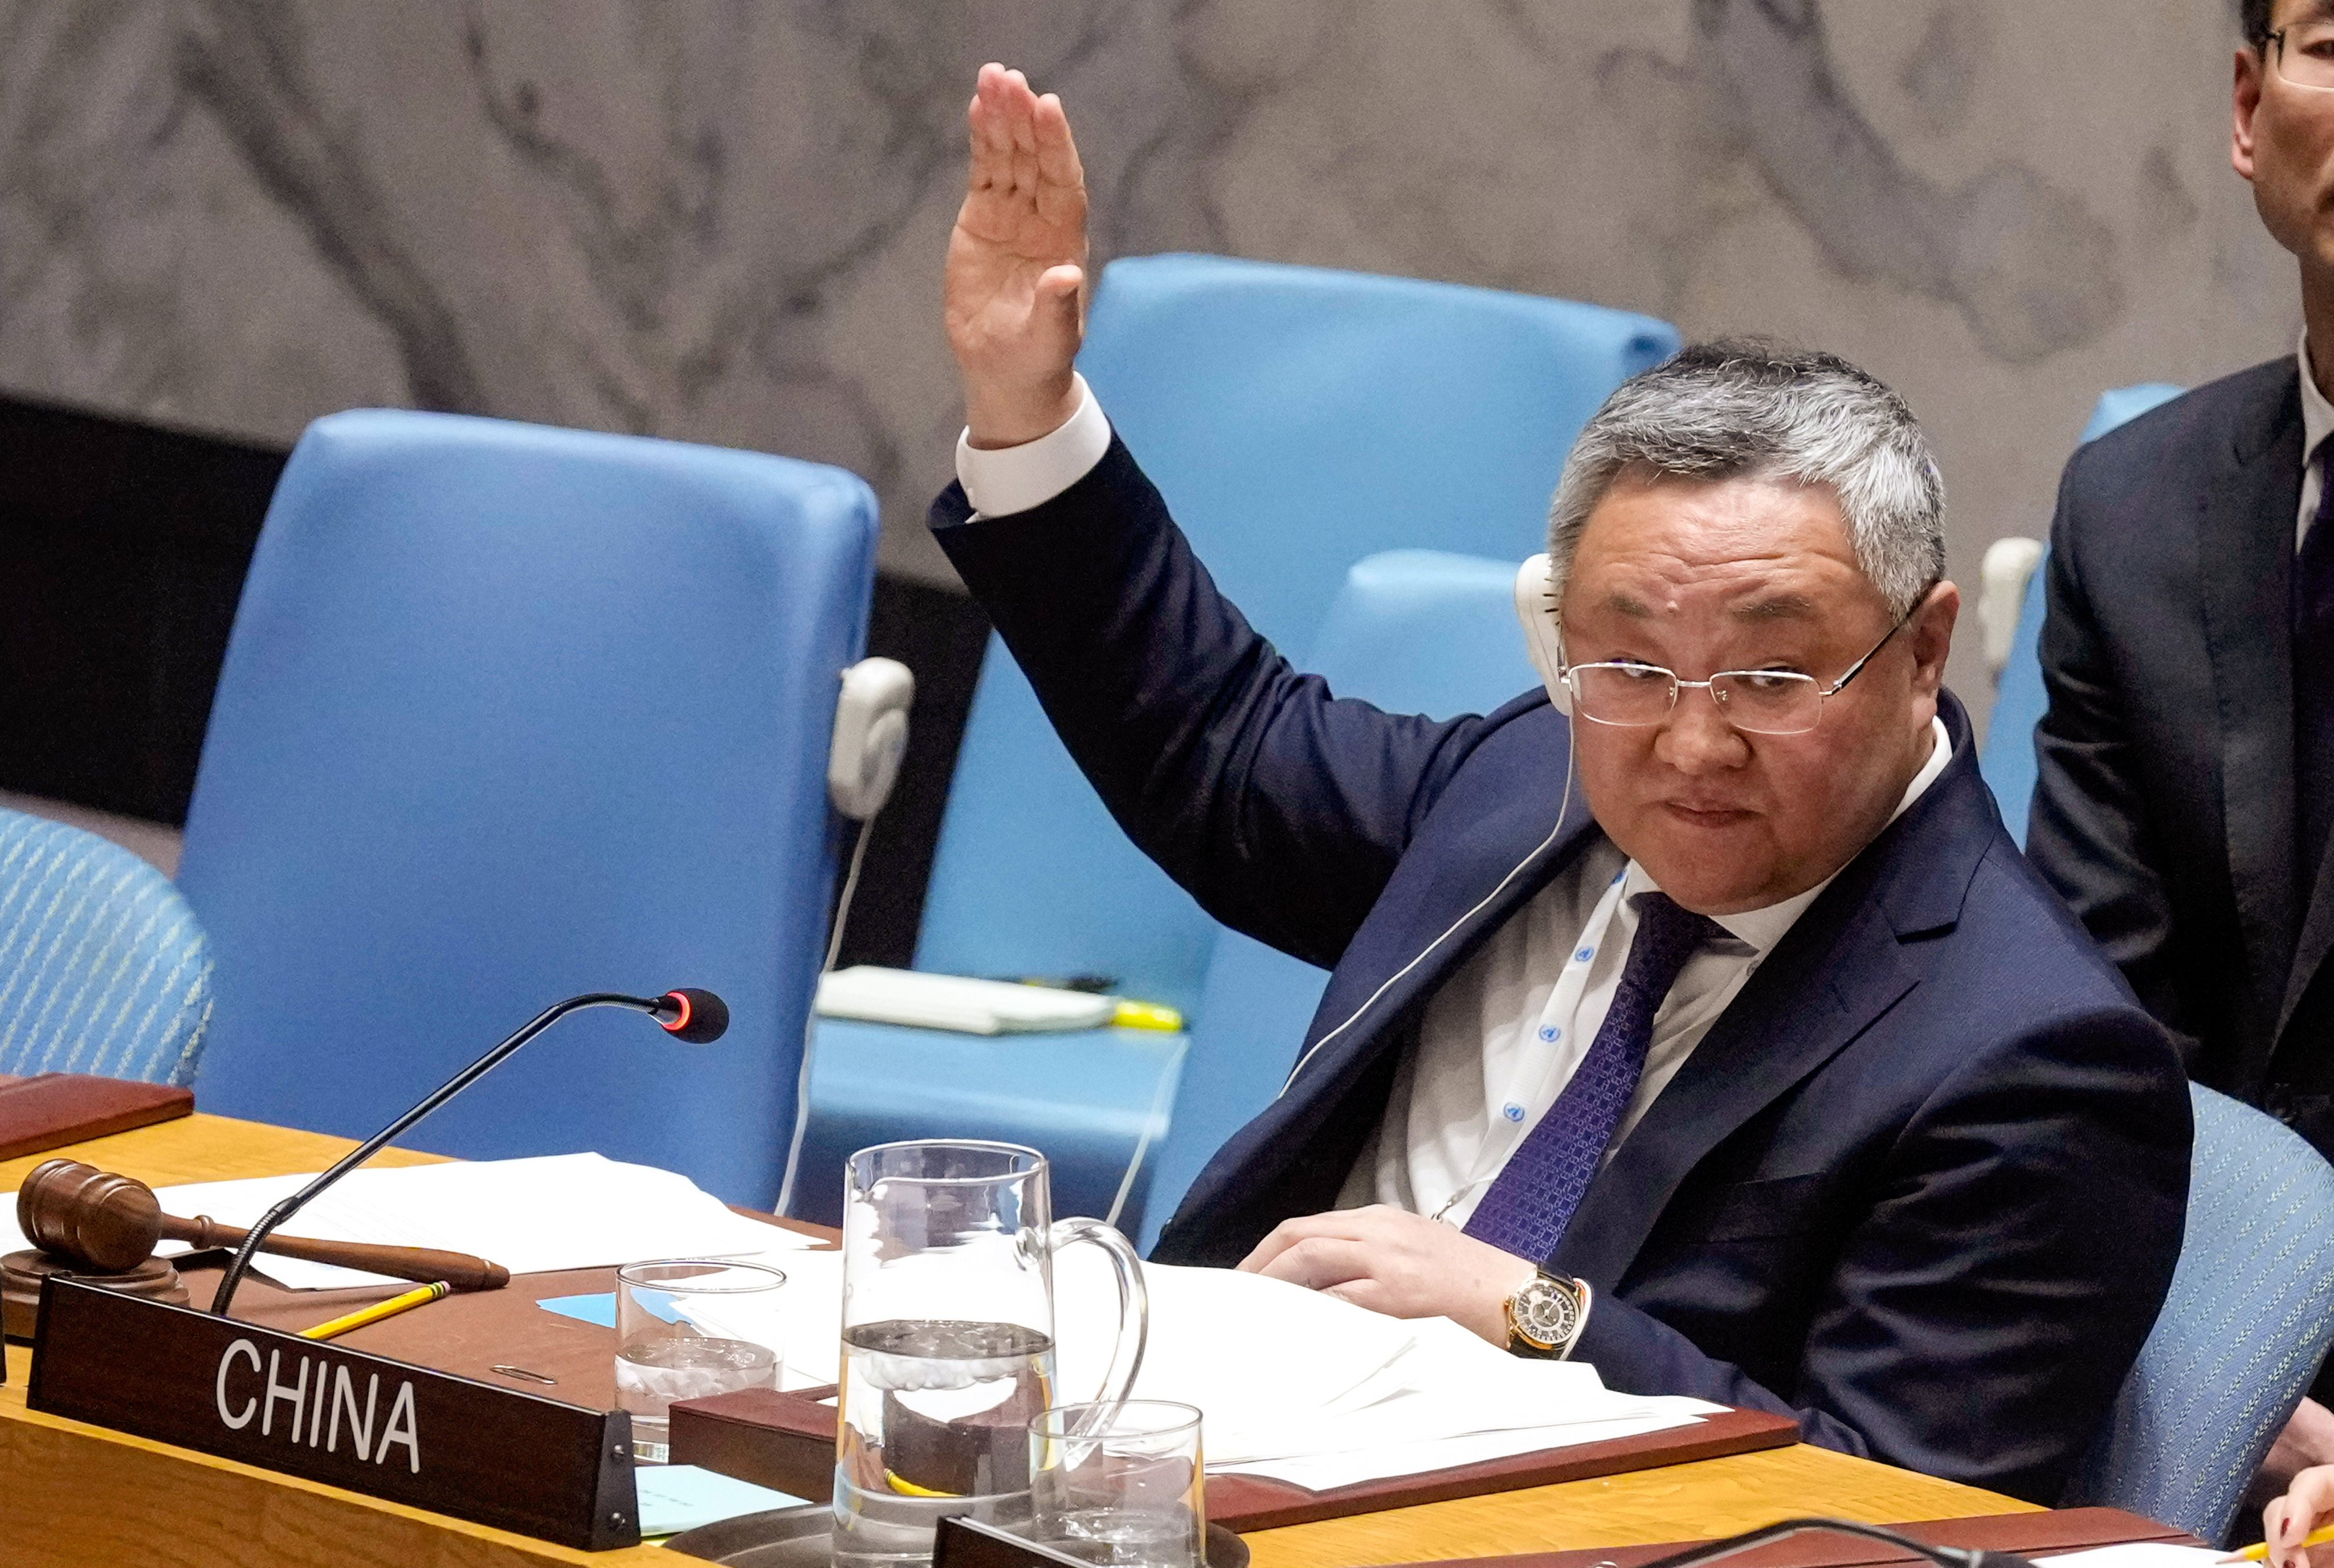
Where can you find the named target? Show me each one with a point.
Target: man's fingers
(1058, 150)
(1288, 1231)
(1024, 105)
(1321, 1262)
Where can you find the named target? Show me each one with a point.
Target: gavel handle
(458, 1269)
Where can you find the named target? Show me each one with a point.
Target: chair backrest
(1413, 632)
(103, 968)
(511, 713)
(1298, 420)
(2007, 760)
(2247, 1322)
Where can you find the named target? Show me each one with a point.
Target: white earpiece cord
(810, 1020)
(1563, 810)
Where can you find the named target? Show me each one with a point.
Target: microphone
(697, 1017)
(1942, 1556)
(700, 1017)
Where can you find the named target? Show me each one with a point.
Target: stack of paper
(1304, 1388)
(1291, 1383)
(530, 1215)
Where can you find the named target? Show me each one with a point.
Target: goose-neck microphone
(1925, 1552)
(697, 1017)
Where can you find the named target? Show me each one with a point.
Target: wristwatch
(1546, 1315)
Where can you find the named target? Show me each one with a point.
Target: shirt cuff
(1002, 480)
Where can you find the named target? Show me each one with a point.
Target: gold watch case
(1545, 1313)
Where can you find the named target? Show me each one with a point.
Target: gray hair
(1743, 409)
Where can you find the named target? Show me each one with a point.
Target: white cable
(1170, 1076)
(810, 1019)
(1571, 757)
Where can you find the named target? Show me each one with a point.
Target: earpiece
(871, 735)
(1543, 632)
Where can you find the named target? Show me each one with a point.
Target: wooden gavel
(109, 1224)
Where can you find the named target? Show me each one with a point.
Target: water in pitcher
(935, 1422)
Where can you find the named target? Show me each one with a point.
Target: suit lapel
(2245, 568)
(1840, 969)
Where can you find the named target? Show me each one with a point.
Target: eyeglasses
(2304, 53)
(1627, 694)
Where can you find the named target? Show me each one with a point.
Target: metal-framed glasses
(2303, 54)
(1627, 694)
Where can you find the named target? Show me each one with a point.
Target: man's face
(2283, 142)
(1746, 574)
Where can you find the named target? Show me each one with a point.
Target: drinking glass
(687, 1328)
(1121, 1487)
(948, 1340)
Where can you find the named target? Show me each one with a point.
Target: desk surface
(82, 1495)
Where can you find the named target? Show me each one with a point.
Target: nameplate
(386, 1428)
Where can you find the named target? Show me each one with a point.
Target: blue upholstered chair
(103, 968)
(2007, 758)
(1297, 419)
(511, 713)
(2249, 1319)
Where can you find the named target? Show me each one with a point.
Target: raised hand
(1017, 263)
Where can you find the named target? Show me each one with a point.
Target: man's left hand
(1397, 1263)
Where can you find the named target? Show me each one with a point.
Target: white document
(879, 996)
(1302, 1386)
(2140, 1555)
(1291, 1383)
(531, 1216)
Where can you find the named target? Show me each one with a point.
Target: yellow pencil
(378, 1311)
(2259, 1551)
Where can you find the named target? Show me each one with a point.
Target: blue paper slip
(599, 1310)
(602, 1308)
(677, 1497)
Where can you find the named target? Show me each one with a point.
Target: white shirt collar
(1761, 929)
(2317, 413)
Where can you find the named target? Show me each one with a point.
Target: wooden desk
(81, 1495)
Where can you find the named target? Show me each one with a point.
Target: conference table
(70, 1493)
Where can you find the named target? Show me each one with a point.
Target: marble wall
(722, 219)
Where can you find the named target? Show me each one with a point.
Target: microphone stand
(659, 1008)
(1942, 1556)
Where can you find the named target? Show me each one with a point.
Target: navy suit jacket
(2165, 802)
(1920, 1186)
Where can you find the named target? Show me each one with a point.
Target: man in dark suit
(2186, 782)
(2186, 762)
(1760, 1067)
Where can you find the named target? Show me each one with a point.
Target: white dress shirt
(1506, 1032)
(2317, 423)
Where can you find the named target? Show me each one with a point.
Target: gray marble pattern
(721, 220)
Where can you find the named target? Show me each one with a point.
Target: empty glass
(689, 1328)
(948, 1340)
(1123, 1487)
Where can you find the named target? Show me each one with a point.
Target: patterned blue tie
(1533, 1197)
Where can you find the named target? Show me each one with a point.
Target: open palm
(1017, 263)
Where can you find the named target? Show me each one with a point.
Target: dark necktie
(1533, 1197)
(2314, 683)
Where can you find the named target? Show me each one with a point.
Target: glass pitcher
(948, 1340)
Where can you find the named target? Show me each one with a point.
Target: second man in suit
(2184, 797)
(1759, 1066)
